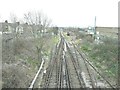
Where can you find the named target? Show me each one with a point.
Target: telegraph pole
(95, 24)
(95, 28)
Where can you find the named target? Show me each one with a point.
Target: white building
(19, 29)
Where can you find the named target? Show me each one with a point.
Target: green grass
(33, 62)
(55, 39)
(104, 56)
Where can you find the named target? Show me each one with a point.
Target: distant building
(27, 30)
(6, 27)
(23, 30)
(91, 30)
(19, 29)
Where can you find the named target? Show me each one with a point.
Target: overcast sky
(79, 13)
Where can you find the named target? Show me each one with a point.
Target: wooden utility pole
(118, 64)
(95, 28)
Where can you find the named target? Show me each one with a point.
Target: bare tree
(13, 18)
(0, 18)
(38, 22)
(38, 19)
(15, 32)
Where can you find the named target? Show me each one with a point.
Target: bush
(15, 76)
(107, 55)
(80, 35)
(18, 45)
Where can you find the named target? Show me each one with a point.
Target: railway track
(64, 71)
(69, 69)
(53, 76)
(74, 70)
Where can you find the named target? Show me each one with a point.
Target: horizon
(69, 26)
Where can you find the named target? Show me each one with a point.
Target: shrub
(106, 54)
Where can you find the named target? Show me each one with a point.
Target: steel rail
(52, 65)
(68, 77)
(75, 67)
(49, 72)
(80, 79)
(89, 73)
(94, 67)
(59, 66)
